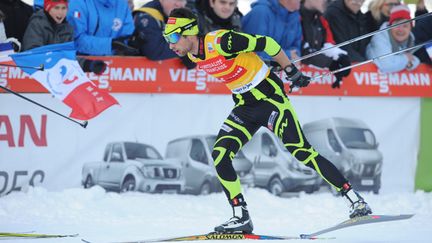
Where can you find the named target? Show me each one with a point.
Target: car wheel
(88, 182)
(128, 185)
(205, 188)
(275, 186)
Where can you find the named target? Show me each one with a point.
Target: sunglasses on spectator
(174, 36)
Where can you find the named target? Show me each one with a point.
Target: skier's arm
(231, 43)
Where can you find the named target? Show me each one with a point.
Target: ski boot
(358, 207)
(240, 222)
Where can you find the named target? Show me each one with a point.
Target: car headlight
(148, 172)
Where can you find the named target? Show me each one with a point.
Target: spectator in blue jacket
(279, 19)
(101, 27)
(150, 22)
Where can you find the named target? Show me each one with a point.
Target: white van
(351, 146)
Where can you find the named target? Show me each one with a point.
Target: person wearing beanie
(49, 26)
(396, 39)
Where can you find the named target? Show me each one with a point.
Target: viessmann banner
(366, 137)
(139, 75)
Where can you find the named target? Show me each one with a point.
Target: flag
(63, 77)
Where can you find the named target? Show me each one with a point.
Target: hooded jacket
(97, 22)
(42, 30)
(269, 18)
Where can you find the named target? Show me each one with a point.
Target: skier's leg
(288, 129)
(234, 133)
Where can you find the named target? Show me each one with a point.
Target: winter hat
(399, 12)
(49, 4)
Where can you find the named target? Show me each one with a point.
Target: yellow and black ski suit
(260, 100)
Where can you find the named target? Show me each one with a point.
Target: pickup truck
(131, 166)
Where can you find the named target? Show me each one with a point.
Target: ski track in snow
(101, 216)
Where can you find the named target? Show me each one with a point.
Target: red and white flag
(63, 77)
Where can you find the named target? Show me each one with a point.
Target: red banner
(139, 75)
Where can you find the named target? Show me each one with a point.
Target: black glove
(296, 77)
(341, 62)
(95, 66)
(120, 48)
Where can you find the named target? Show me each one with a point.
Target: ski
(358, 221)
(222, 236)
(16, 235)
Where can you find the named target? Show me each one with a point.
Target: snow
(101, 216)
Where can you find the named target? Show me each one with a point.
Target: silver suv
(276, 169)
(129, 166)
(194, 155)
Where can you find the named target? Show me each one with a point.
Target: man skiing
(260, 100)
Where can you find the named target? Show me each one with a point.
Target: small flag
(77, 14)
(63, 77)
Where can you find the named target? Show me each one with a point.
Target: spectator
(422, 33)
(395, 39)
(218, 14)
(316, 36)
(347, 22)
(49, 26)
(101, 27)
(3, 38)
(279, 19)
(17, 14)
(379, 12)
(150, 22)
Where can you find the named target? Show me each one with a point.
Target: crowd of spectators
(301, 27)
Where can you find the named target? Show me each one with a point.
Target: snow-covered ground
(101, 216)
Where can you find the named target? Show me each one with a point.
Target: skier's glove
(296, 77)
(95, 66)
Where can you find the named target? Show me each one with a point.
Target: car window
(117, 153)
(177, 149)
(267, 146)
(211, 140)
(357, 138)
(106, 153)
(141, 151)
(334, 144)
(198, 152)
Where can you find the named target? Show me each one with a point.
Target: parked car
(351, 145)
(130, 166)
(276, 169)
(194, 154)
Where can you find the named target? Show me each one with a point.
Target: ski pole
(373, 59)
(40, 68)
(84, 124)
(368, 61)
(360, 37)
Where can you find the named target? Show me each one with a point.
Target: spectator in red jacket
(316, 36)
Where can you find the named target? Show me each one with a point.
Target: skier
(260, 100)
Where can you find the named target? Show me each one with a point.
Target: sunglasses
(174, 36)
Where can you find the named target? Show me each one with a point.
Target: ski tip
(305, 236)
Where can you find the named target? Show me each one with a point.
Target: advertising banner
(147, 132)
(139, 75)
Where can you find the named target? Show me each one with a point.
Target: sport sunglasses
(174, 36)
